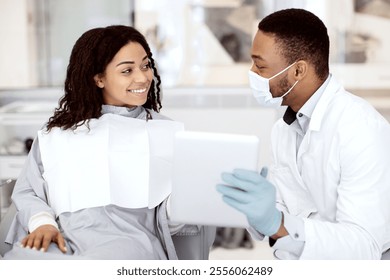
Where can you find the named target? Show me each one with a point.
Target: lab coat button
(300, 115)
(296, 235)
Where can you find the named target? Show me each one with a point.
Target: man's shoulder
(354, 108)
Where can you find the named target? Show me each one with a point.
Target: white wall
(19, 64)
(70, 19)
(16, 48)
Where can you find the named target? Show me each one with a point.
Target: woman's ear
(98, 80)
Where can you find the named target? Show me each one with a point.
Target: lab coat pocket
(318, 173)
(291, 191)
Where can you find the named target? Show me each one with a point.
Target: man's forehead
(263, 47)
(263, 39)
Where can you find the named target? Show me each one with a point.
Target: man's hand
(250, 193)
(41, 238)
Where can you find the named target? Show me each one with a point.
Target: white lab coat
(342, 191)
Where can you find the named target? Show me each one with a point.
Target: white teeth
(138, 90)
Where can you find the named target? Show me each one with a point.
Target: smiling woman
(86, 191)
(115, 64)
(127, 78)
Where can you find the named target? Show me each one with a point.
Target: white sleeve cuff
(295, 241)
(255, 234)
(39, 219)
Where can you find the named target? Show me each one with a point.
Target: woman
(69, 202)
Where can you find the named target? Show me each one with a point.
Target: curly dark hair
(299, 34)
(90, 55)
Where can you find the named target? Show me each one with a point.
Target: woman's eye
(126, 71)
(146, 66)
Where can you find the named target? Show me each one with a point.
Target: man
(328, 196)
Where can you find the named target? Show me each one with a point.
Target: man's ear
(98, 80)
(301, 69)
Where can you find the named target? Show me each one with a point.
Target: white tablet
(198, 161)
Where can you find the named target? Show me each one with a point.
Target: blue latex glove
(252, 194)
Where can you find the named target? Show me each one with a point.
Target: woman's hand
(41, 238)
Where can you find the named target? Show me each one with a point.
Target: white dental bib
(120, 160)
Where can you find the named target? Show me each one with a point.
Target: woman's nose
(140, 76)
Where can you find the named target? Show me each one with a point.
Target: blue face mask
(261, 89)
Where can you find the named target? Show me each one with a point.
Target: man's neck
(310, 88)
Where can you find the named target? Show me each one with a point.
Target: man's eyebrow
(254, 56)
(130, 62)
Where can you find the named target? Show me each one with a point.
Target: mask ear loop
(285, 69)
(290, 89)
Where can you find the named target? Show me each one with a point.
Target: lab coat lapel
(286, 176)
(303, 149)
(295, 168)
(316, 119)
(319, 112)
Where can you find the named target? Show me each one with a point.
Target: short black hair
(299, 34)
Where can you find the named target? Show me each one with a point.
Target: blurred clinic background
(202, 48)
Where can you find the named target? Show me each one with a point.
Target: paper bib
(122, 161)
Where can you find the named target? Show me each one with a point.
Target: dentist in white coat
(328, 193)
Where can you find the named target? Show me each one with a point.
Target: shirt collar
(307, 109)
(132, 112)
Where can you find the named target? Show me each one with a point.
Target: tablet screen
(198, 161)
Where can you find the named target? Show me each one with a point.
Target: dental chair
(4, 226)
(188, 247)
(5, 222)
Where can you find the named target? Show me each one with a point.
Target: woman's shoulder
(158, 116)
